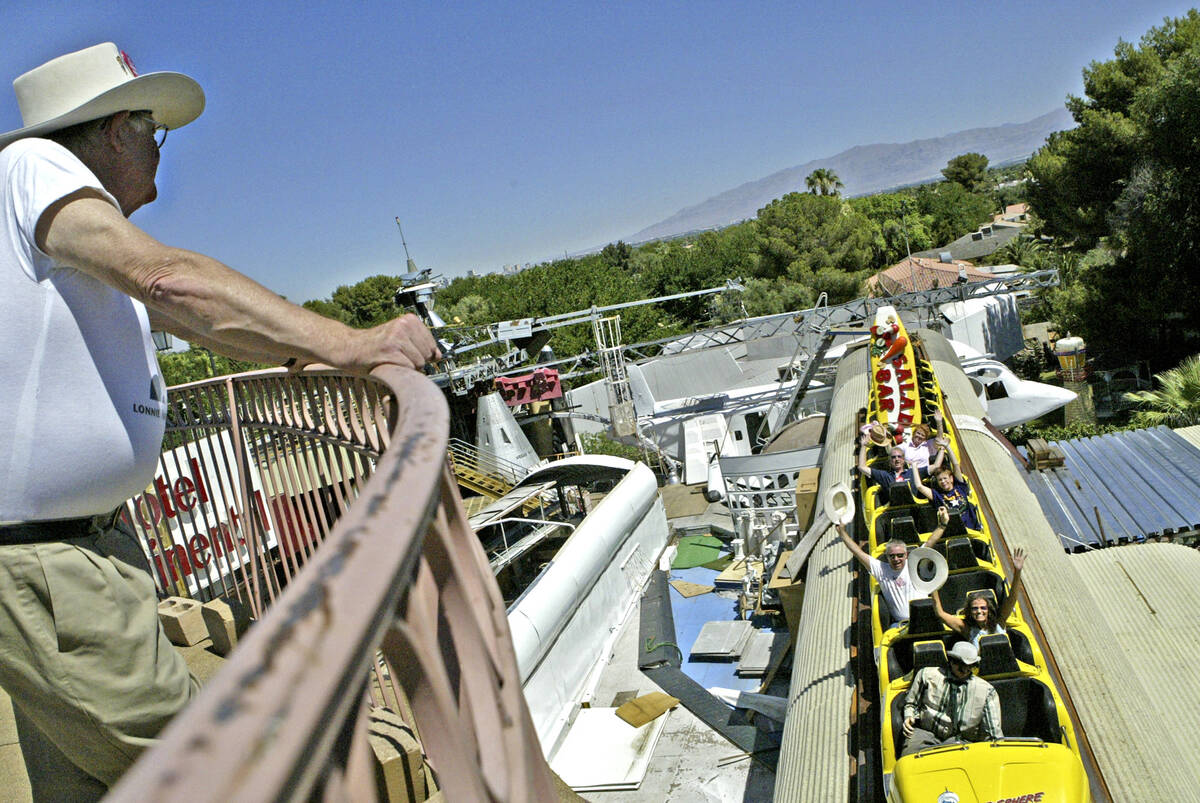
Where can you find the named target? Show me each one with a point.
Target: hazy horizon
(513, 134)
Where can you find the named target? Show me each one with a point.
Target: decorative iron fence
(325, 503)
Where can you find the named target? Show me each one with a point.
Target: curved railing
(392, 604)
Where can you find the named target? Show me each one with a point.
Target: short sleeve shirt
(83, 403)
(896, 586)
(956, 501)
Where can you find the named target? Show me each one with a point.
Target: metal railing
(482, 461)
(335, 511)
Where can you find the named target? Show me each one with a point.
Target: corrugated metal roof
(1106, 616)
(813, 758)
(1120, 488)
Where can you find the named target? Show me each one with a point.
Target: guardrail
(327, 501)
(483, 461)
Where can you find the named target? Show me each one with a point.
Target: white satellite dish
(927, 570)
(839, 504)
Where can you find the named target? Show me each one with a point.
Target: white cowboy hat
(927, 570)
(839, 504)
(96, 82)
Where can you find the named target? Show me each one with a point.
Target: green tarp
(696, 550)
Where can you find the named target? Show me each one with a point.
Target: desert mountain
(865, 169)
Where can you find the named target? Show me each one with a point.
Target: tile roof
(1013, 212)
(922, 273)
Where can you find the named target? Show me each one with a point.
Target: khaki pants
(91, 675)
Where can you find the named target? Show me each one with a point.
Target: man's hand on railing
(403, 341)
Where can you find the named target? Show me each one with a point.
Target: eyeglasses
(897, 555)
(157, 129)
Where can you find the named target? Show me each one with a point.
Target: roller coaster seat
(922, 618)
(960, 554)
(1026, 710)
(996, 656)
(955, 526)
(903, 528)
(954, 592)
(922, 515)
(901, 494)
(903, 658)
(928, 653)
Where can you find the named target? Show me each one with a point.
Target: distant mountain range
(865, 169)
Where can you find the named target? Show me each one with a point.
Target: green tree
(1125, 180)
(616, 254)
(900, 227)
(771, 296)
(823, 181)
(816, 241)
(370, 302)
(1079, 174)
(819, 241)
(1020, 250)
(1176, 402)
(682, 266)
(970, 171)
(952, 210)
(327, 308)
(470, 309)
(195, 364)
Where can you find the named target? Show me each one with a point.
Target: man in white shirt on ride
(91, 676)
(894, 582)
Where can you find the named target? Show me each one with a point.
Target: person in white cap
(948, 705)
(91, 676)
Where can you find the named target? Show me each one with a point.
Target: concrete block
(226, 620)
(399, 767)
(182, 621)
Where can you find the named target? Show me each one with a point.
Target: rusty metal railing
(372, 584)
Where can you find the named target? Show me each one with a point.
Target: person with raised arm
(894, 582)
(980, 616)
(949, 489)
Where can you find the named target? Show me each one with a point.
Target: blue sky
(507, 133)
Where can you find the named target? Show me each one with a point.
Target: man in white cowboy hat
(950, 704)
(90, 674)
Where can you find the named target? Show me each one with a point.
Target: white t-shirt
(82, 402)
(896, 586)
(918, 456)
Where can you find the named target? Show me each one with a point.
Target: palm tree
(1025, 252)
(1177, 401)
(823, 181)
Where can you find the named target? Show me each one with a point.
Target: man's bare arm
(862, 457)
(921, 487)
(213, 303)
(854, 548)
(161, 323)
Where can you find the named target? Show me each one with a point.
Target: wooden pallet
(1043, 455)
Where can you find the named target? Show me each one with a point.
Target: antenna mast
(412, 266)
